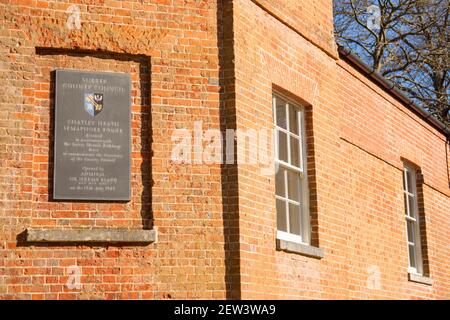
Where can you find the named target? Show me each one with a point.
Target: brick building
(332, 223)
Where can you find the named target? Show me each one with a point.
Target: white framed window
(412, 220)
(291, 184)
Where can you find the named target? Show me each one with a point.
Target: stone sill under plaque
(413, 277)
(303, 249)
(95, 235)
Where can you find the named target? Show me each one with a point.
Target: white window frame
(305, 232)
(412, 215)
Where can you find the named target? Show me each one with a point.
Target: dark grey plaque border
(95, 199)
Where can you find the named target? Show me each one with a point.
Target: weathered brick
(217, 62)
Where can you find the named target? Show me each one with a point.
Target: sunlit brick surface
(217, 62)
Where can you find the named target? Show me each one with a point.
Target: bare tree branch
(409, 47)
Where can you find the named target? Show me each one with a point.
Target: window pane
(294, 219)
(295, 151)
(282, 146)
(293, 186)
(279, 182)
(406, 204)
(404, 180)
(410, 231)
(281, 215)
(281, 113)
(412, 207)
(412, 256)
(293, 119)
(409, 180)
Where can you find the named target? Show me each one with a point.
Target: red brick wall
(388, 133)
(358, 136)
(170, 48)
(311, 19)
(216, 223)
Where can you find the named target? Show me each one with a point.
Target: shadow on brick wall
(229, 172)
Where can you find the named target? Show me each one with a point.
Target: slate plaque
(92, 136)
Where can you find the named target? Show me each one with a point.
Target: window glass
(294, 219)
(412, 206)
(404, 180)
(293, 119)
(412, 256)
(281, 215)
(281, 113)
(279, 182)
(406, 204)
(294, 186)
(295, 152)
(409, 181)
(282, 146)
(410, 228)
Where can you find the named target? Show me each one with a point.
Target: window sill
(414, 277)
(299, 248)
(95, 235)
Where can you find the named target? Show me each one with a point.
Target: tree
(405, 41)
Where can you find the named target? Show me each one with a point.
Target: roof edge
(390, 86)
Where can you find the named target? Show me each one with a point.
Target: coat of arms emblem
(93, 103)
